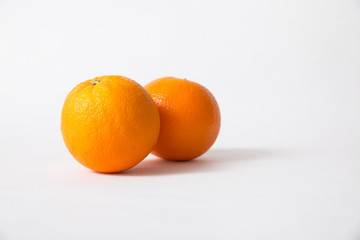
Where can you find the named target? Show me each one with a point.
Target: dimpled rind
(189, 116)
(109, 125)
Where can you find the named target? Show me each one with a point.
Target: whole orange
(110, 123)
(189, 117)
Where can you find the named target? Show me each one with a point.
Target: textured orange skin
(189, 118)
(111, 126)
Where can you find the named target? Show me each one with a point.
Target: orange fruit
(189, 117)
(110, 123)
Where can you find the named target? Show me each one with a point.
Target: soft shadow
(213, 160)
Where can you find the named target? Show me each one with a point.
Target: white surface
(285, 73)
(227, 194)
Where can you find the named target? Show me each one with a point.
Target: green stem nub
(94, 82)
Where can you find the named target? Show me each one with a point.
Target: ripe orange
(189, 117)
(110, 123)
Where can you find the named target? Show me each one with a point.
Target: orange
(189, 118)
(110, 123)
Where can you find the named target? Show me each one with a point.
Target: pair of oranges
(111, 123)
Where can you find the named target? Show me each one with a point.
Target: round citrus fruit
(110, 123)
(189, 117)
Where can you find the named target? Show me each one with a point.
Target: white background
(286, 164)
